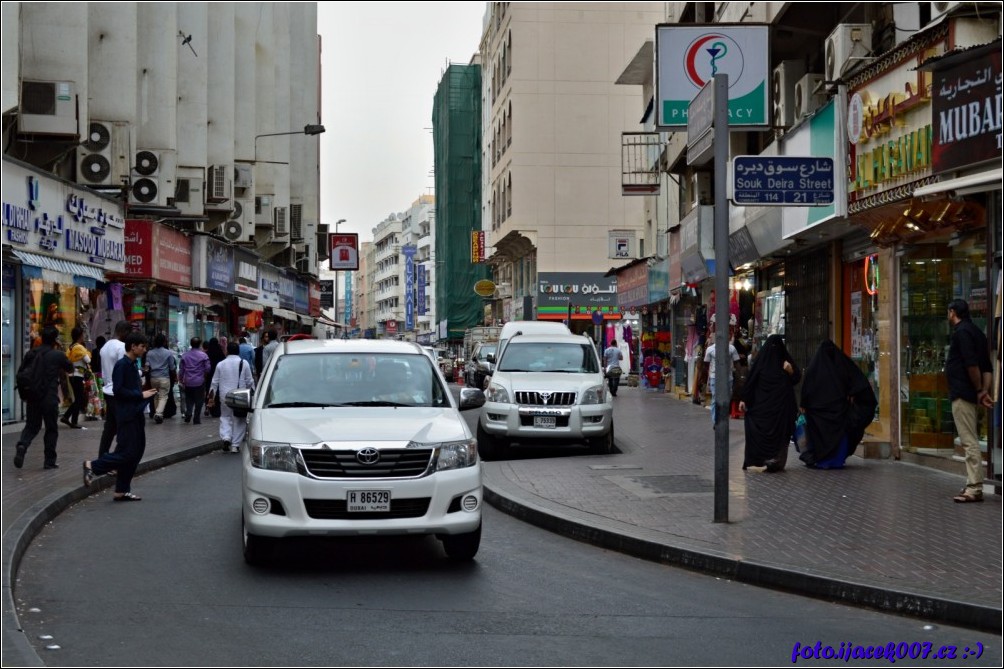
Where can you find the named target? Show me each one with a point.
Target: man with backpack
(38, 384)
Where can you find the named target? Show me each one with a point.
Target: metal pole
(723, 361)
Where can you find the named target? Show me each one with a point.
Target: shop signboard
(219, 266)
(966, 101)
(343, 251)
(246, 280)
(584, 292)
(658, 281)
(301, 300)
(327, 297)
(632, 285)
(697, 251)
(420, 281)
(390, 327)
(268, 283)
(287, 289)
(314, 297)
(408, 250)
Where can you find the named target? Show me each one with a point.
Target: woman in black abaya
(838, 403)
(769, 403)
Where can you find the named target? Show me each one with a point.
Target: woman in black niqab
(768, 401)
(838, 403)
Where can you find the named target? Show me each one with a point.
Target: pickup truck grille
(394, 463)
(537, 398)
(335, 509)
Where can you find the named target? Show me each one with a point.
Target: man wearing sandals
(969, 377)
(130, 401)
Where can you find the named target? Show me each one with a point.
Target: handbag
(614, 372)
(240, 413)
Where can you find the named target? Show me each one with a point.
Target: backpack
(31, 382)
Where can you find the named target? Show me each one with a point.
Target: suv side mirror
(490, 358)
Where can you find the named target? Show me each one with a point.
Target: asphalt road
(162, 583)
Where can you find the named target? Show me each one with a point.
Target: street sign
(782, 181)
(700, 123)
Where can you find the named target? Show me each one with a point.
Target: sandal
(88, 475)
(127, 497)
(967, 497)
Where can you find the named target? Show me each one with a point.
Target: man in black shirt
(54, 364)
(969, 377)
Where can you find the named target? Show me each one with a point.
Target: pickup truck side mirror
(490, 358)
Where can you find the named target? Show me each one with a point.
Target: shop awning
(84, 276)
(249, 305)
(306, 320)
(194, 297)
(284, 313)
(972, 183)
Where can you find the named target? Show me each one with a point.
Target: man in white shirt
(232, 373)
(113, 351)
(709, 359)
(271, 343)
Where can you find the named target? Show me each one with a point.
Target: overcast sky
(381, 63)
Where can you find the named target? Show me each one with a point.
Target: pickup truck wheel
(489, 447)
(257, 550)
(462, 546)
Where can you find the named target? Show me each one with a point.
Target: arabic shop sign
(966, 102)
(42, 215)
(632, 286)
(580, 289)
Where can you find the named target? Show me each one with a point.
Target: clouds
(381, 64)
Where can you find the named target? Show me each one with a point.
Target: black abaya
(771, 410)
(838, 401)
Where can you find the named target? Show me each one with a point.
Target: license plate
(368, 500)
(548, 422)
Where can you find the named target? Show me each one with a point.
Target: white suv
(546, 389)
(352, 437)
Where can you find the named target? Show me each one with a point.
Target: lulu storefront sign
(246, 274)
(157, 252)
(966, 100)
(583, 292)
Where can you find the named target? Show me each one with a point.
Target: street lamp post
(309, 129)
(337, 223)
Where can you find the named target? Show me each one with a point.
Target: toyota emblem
(545, 397)
(368, 456)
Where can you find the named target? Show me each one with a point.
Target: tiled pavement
(879, 533)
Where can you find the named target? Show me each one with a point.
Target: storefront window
(8, 301)
(861, 341)
(50, 303)
(931, 276)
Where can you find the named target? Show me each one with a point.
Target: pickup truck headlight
(273, 456)
(457, 454)
(595, 395)
(497, 393)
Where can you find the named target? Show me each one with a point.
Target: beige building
(551, 135)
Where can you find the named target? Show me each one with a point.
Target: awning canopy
(284, 313)
(249, 305)
(972, 183)
(84, 276)
(194, 297)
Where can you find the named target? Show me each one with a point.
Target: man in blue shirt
(247, 351)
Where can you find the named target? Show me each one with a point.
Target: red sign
(392, 327)
(155, 251)
(314, 297)
(343, 251)
(477, 247)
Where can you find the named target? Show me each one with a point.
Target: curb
(751, 572)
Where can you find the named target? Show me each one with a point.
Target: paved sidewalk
(878, 533)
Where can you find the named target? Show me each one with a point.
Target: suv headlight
(273, 456)
(457, 454)
(595, 395)
(496, 393)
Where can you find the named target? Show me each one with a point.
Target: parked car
(478, 368)
(357, 437)
(546, 389)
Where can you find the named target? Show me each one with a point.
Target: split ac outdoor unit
(188, 196)
(243, 176)
(263, 211)
(103, 158)
(152, 178)
(48, 108)
(218, 184)
(783, 91)
(939, 8)
(240, 225)
(296, 223)
(281, 221)
(847, 49)
(810, 95)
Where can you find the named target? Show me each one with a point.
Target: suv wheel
(603, 445)
(257, 550)
(489, 447)
(462, 546)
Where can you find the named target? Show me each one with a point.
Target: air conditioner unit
(810, 95)
(48, 108)
(296, 223)
(938, 9)
(152, 178)
(783, 91)
(263, 211)
(103, 158)
(847, 49)
(217, 184)
(188, 195)
(243, 176)
(281, 221)
(238, 232)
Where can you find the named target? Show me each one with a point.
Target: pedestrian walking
(231, 374)
(970, 377)
(769, 406)
(49, 367)
(838, 404)
(111, 353)
(216, 355)
(247, 351)
(160, 366)
(612, 357)
(99, 396)
(709, 363)
(130, 405)
(80, 358)
(271, 343)
(193, 374)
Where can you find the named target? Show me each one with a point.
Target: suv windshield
(570, 358)
(354, 379)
